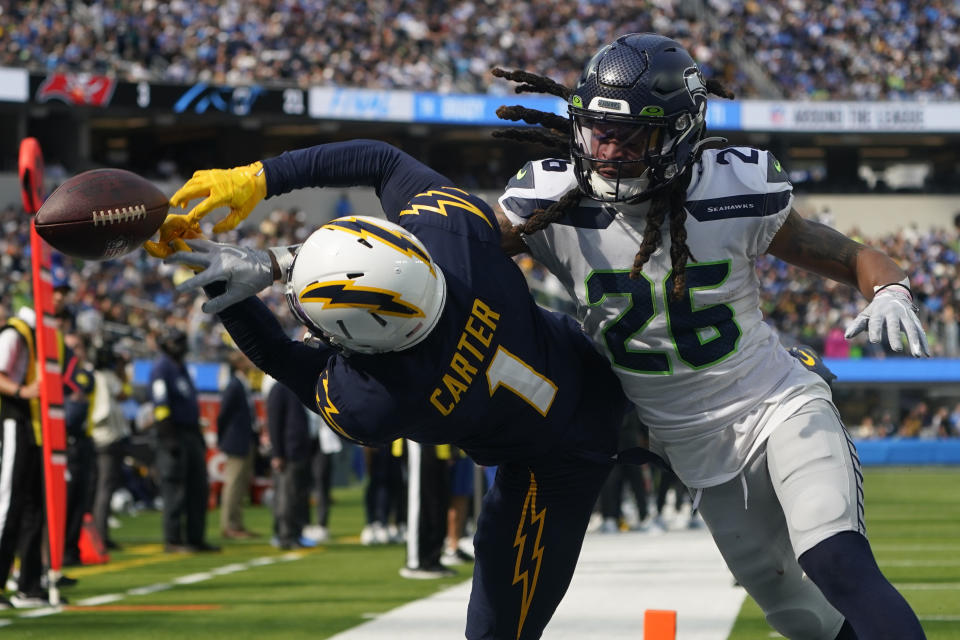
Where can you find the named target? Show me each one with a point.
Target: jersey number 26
(701, 336)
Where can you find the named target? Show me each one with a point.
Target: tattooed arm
(827, 252)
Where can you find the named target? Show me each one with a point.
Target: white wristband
(905, 283)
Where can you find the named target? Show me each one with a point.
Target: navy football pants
(528, 540)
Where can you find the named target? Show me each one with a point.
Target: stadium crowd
(809, 49)
(850, 50)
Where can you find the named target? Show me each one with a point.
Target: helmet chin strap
(629, 188)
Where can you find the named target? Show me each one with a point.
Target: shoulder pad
(536, 185)
(751, 169)
(738, 182)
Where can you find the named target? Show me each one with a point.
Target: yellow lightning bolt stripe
(327, 410)
(349, 286)
(443, 202)
(412, 250)
(536, 519)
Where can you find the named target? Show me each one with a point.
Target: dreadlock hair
(670, 202)
(543, 218)
(532, 83)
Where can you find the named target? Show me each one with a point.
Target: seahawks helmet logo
(694, 81)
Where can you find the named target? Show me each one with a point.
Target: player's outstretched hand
(891, 312)
(240, 188)
(174, 230)
(244, 271)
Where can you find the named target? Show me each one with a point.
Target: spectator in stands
(237, 440)
(939, 424)
(953, 422)
(948, 331)
(111, 433)
(836, 346)
(915, 420)
(442, 47)
(866, 430)
(181, 452)
(886, 425)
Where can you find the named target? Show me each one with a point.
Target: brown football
(101, 214)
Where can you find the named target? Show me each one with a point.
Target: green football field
(251, 590)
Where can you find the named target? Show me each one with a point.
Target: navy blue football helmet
(637, 114)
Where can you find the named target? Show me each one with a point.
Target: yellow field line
(153, 554)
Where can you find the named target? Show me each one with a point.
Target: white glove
(890, 312)
(246, 272)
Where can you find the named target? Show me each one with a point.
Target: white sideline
(618, 577)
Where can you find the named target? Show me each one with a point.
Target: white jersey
(707, 374)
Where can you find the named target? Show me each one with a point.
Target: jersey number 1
(701, 336)
(509, 371)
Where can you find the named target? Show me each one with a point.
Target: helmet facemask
(623, 158)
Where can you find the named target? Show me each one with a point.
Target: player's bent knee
(793, 605)
(806, 624)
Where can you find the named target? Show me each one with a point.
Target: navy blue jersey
(173, 393)
(498, 376)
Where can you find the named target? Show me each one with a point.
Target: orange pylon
(659, 625)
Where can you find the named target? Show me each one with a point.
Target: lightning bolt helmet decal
(345, 293)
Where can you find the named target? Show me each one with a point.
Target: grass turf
(913, 519)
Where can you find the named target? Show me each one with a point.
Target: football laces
(120, 214)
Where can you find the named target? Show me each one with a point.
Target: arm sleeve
(257, 333)
(395, 175)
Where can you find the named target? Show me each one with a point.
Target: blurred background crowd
(884, 49)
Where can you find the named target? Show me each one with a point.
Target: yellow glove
(240, 188)
(174, 230)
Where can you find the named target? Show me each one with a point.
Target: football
(101, 214)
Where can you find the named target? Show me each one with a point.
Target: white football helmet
(366, 286)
